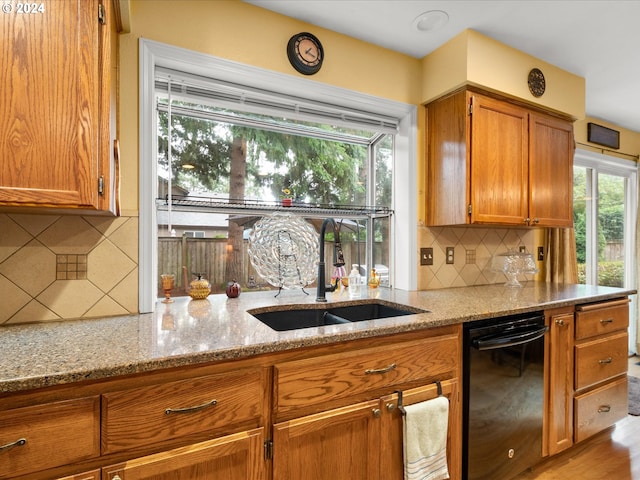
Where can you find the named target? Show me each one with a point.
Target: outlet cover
(450, 255)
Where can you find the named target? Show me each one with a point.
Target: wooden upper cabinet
(499, 162)
(551, 150)
(491, 161)
(56, 128)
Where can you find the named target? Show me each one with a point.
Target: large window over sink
(240, 151)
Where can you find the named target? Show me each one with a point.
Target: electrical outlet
(450, 255)
(426, 256)
(541, 254)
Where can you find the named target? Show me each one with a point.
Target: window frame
(154, 54)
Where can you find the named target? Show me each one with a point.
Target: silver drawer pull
(197, 408)
(18, 443)
(604, 408)
(604, 321)
(386, 369)
(606, 360)
(560, 322)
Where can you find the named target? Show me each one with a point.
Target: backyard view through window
(604, 222)
(228, 168)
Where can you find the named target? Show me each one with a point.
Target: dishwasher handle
(510, 338)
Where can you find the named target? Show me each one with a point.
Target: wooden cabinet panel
(499, 162)
(336, 444)
(601, 408)
(601, 318)
(53, 115)
(551, 150)
(52, 434)
(601, 359)
(137, 417)
(312, 383)
(392, 463)
(237, 456)
(92, 475)
(559, 369)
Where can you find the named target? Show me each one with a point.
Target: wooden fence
(208, 257)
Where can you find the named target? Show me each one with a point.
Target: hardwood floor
(612, 454)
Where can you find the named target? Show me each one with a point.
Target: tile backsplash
(473, 248)
(58, 267)
(55, 267)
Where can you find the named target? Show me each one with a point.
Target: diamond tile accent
(474, 250)
(46, 262)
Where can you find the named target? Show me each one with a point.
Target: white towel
(425, 440)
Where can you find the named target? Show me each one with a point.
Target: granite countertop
(189, 332)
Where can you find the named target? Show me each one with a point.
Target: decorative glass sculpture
(283, 248)
(514, 264)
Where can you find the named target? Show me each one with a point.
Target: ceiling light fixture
(430, 21)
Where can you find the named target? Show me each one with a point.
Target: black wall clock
(536, 82)
(305, 53)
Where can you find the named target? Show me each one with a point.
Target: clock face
(305, 53)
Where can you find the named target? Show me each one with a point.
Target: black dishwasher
(503, 395)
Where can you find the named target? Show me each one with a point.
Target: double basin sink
(293, 318)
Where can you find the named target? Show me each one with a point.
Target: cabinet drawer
(599, 319)
(352, 375)
(53, 434)
(601, 359)
(157, 413)
(600, 408)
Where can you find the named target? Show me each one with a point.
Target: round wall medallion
(536, 82)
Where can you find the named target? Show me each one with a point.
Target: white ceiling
(597, 40)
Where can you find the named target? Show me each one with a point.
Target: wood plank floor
(613, 454)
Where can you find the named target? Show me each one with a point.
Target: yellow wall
(251, 35)
(472, 58)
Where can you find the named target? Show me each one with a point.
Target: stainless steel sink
(318, 316)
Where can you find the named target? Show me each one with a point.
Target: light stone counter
(191, 332)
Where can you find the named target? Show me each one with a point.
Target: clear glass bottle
(355, 283)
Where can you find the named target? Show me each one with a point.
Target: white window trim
(152, 54)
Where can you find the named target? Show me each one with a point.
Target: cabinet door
(551, 151)
(392, 462)
(51, 109)
(92, 475)
(499, 162)
(559, 415)
(233, 457)
(337, 444)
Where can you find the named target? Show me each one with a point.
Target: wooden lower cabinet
(340, 443)
(358, 442)
(48, 435)
(559, 367)
(237, 456)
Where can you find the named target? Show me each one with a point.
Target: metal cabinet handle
(386, 369)
(18, 443)
(196, 408)
(391, 407)
(376, 412)
(606, 360)
(536, 220)
(604, 408)
(560, 322)
(604, 321)
(116, 477)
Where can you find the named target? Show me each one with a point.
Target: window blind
(225, 94)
